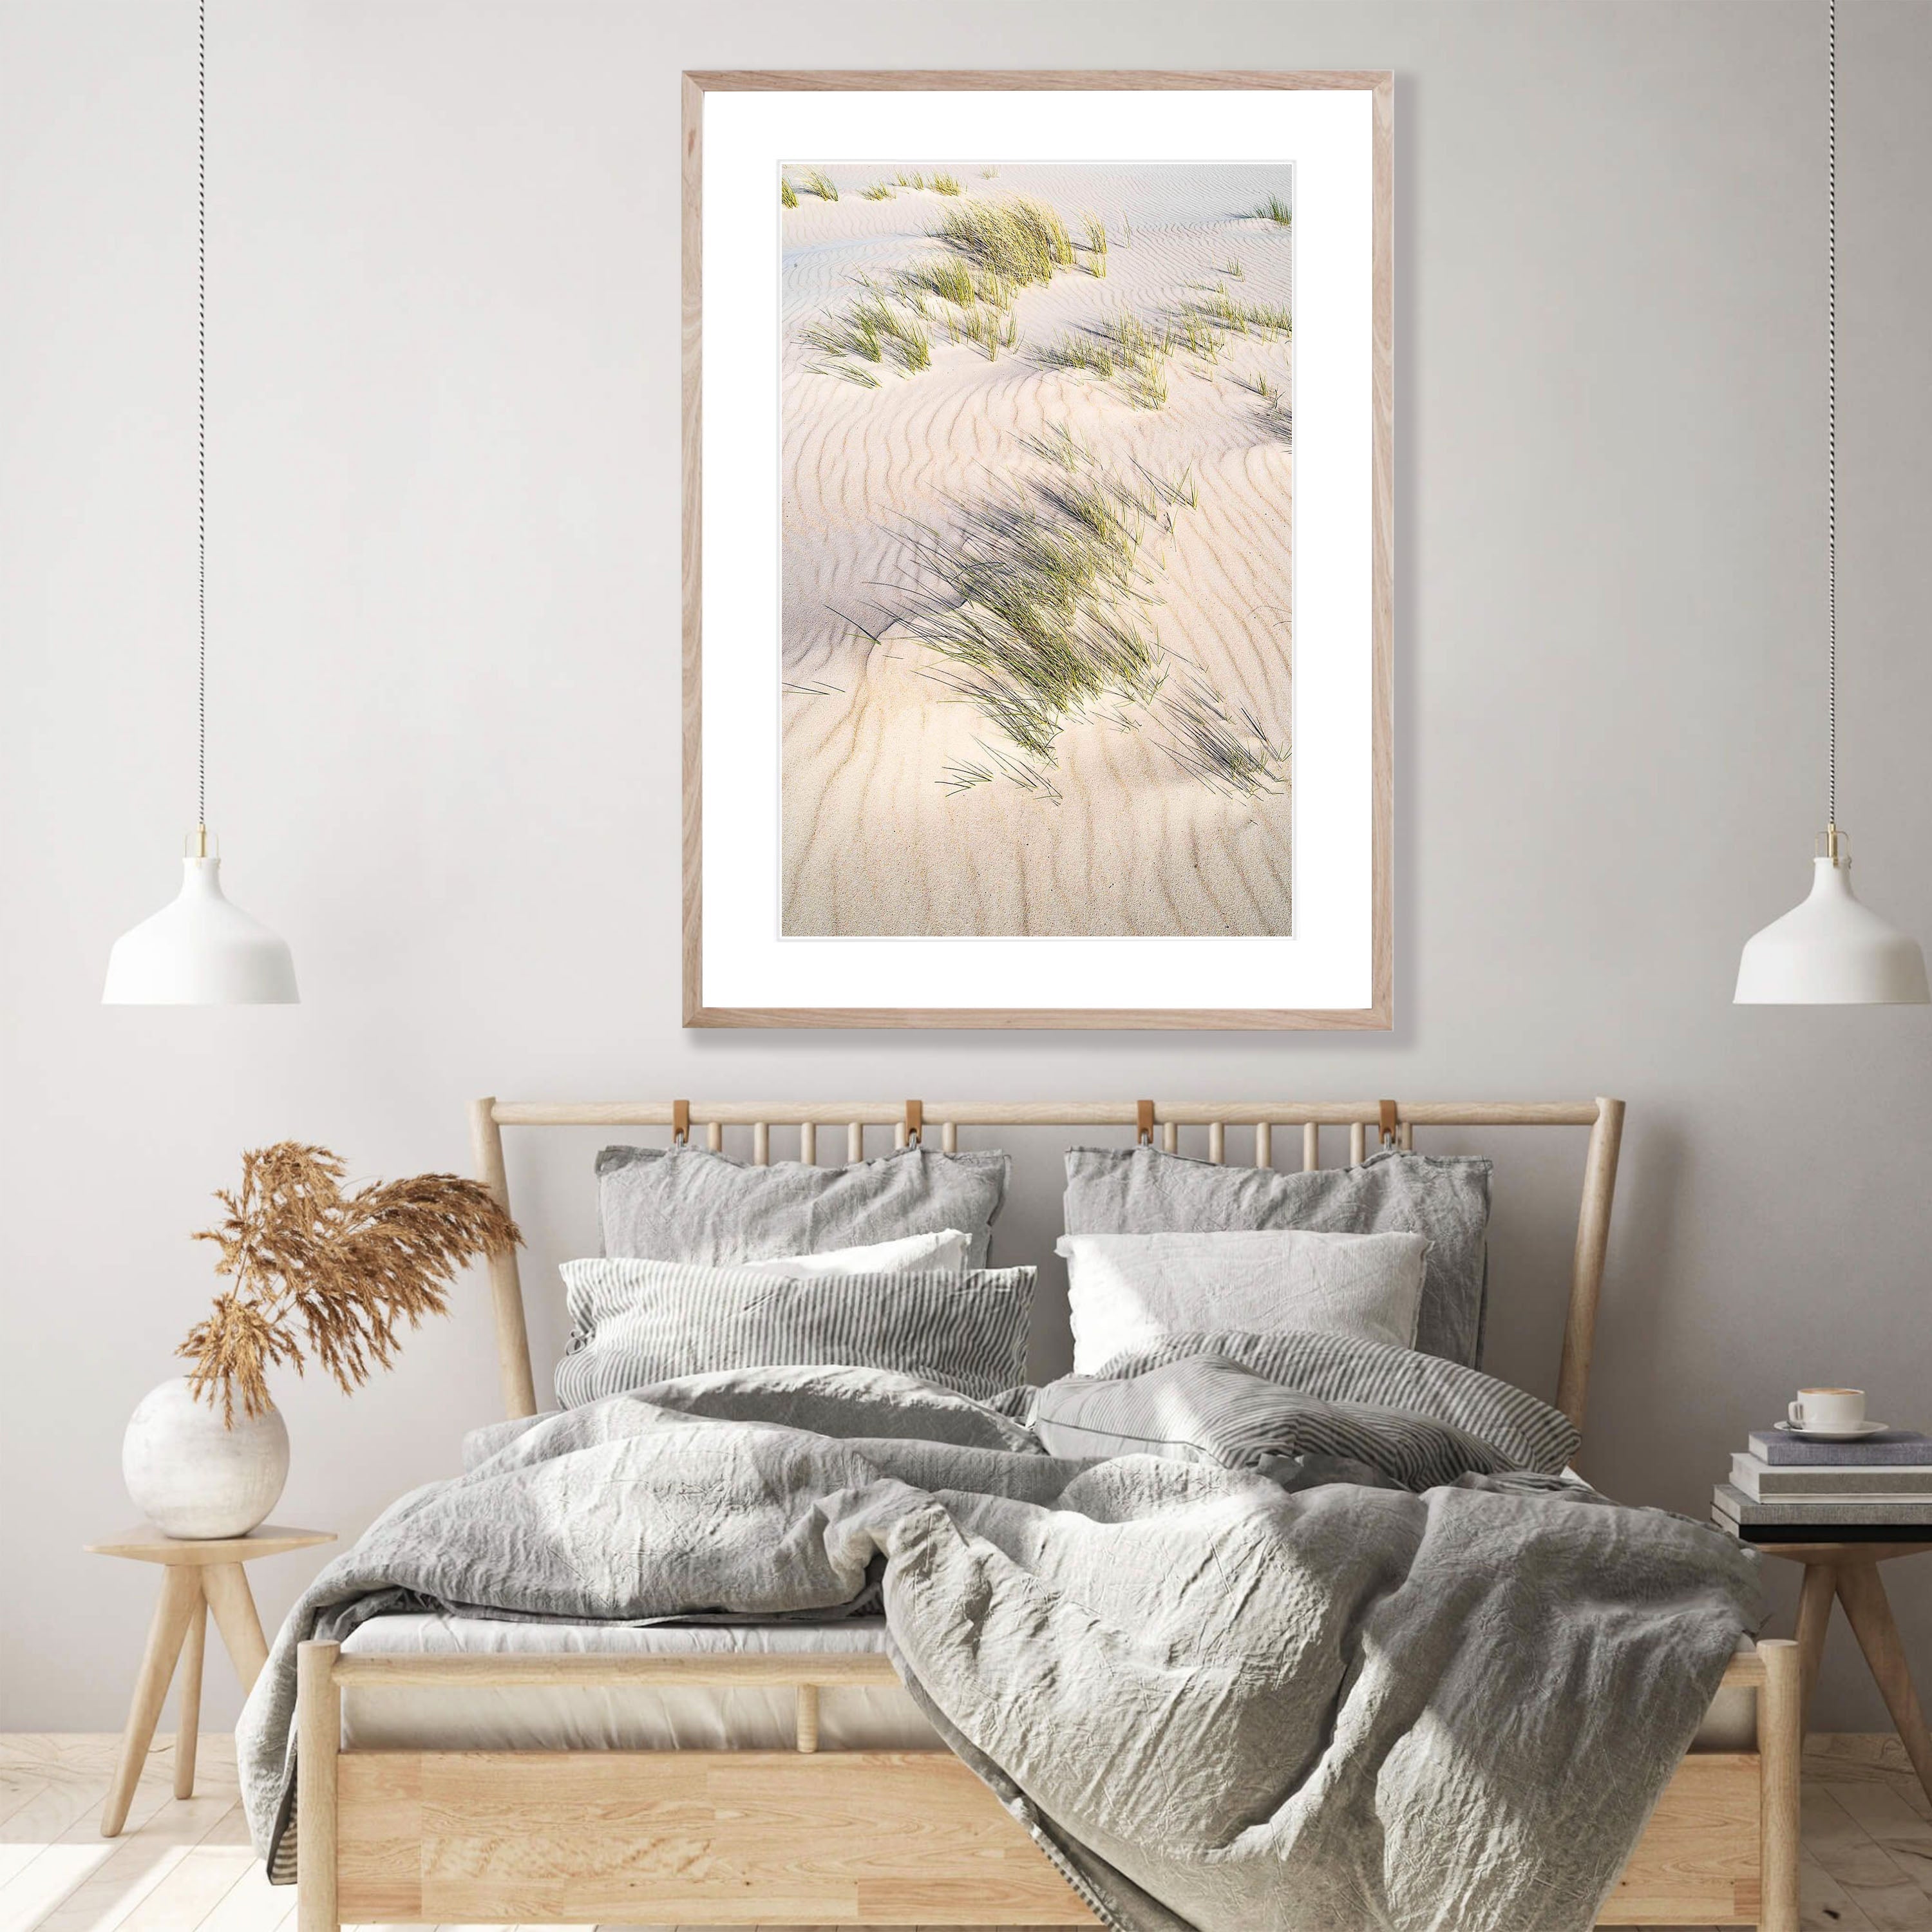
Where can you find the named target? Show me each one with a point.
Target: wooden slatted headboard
(1391, 1121)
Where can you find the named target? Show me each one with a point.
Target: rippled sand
(875, 842)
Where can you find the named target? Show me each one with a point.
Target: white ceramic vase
(190, 1476)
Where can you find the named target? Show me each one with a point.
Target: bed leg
(1780, 1747)
(318, 1738)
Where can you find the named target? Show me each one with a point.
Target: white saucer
(1854, 1435)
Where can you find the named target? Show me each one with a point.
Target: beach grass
(947, 184)
(1123, 349)
(788, 194)
(945, 276)
(998, 250)
(1058, 444)
(1019, 242)
(1276, 210)
(820, 184)
(915, 180)
(963, 774)
(874, 327)
(1132, 352)
(1191, 332)
(879, 191)
(901, 330)
(1076, 351)
(1096, 244)
(985, 328)
(1037, 603)
(1221, 746)
(1140, 353)
(846, 372)
(1227, 311)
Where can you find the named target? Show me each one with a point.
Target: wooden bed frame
(749, 1837)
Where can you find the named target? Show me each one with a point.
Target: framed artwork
(1037, 545)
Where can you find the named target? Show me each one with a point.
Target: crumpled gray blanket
(1215, 1701)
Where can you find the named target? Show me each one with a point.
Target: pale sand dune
(873, 842)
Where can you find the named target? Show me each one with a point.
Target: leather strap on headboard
(1604, 1117)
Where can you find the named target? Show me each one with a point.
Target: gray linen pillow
(1143, 1191)
(686, 1204)
(634, 1323)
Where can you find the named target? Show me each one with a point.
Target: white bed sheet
(690, 1717)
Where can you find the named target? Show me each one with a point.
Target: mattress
(632, 1717)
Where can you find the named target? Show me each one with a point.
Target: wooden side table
(1846, 1572)
(198, 1577)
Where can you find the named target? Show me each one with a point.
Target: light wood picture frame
(815, 932)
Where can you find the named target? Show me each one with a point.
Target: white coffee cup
(1830, 1411)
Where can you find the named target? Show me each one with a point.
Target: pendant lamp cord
(202, 414)
(1831, 406)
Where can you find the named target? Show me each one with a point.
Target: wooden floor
(185, 1865)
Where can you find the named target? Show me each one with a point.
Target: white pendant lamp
(200, 950)
(1831, 951)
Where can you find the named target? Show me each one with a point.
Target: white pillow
(943, 1252)
(1128, 1290)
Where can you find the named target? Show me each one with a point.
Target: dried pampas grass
(338, 1273)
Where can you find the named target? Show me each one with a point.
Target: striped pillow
(1206, 1408)
(1525, 1433)
(636, 1322)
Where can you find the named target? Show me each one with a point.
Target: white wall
(443, 514)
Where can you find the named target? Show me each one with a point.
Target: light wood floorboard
(183, 1865)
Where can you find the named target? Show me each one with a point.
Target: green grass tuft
(947, 184)
(1018, 242)
(1123, 349)
(821, 185)
(845, 373)
(788, 194)
(875, 327)
(1227, 312)
(1060, 445)
(1276, 210)
(1096, 244)
(1036, 604)
(1080, 351)
(878, 191)
(945, 276)
(987, 329)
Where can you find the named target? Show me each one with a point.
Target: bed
(458, 1770)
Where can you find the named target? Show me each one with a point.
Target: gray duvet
(1217, 1698)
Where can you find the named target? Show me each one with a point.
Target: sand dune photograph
(1037, 476)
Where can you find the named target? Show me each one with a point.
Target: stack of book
(1785, 1489)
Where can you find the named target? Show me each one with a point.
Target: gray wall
(443, 506)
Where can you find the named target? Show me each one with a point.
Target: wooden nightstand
(1846, 1570)
(198, 1577)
